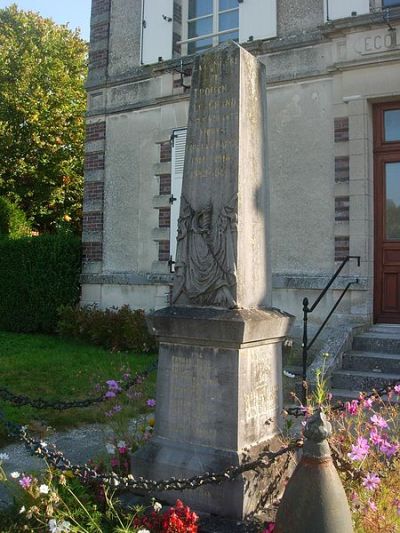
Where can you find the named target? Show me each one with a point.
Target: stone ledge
(126, 278)
(229, 327)
(307, 281)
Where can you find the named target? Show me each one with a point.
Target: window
(178, 27)
(210, 22)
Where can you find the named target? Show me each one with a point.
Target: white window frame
(214, 35)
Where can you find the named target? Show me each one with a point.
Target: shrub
(115, 329)
(13, 222)
(37, 276)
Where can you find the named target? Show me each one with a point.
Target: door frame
(383, 152)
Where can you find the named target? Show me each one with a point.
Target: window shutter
(157, 30)
(178, 160)
(337, 9)
(257, 19)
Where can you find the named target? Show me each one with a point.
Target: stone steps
(377, 342)
(362, 380)
(373, 363)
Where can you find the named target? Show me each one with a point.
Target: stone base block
(239, 498)
(219, 396)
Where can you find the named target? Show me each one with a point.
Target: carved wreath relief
(205, 268)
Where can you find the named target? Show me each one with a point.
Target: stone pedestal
(218, 401)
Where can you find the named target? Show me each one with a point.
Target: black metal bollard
(314, 500)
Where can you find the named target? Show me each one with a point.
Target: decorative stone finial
(314, 499)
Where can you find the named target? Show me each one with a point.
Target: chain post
(305, 350)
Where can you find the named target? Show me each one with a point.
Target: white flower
(110, 448)
(121, 444)
(44, 489)
(4, 457)
(143, 531)
(289, 374)
(22, 510)
(15, 475)
(62, 527)
(157, 507)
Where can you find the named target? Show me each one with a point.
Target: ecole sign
(379, 42)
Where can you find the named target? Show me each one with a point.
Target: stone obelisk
(219, 374)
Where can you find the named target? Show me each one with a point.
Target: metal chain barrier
(85, 473)
(20, 400)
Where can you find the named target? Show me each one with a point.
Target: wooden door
(387, 212)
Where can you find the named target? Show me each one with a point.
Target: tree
(42, 106)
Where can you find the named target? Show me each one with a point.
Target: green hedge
(37, 276)
(115, 329)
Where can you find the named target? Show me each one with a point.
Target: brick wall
(93, 191)
(341, 129)
(342, 169)
(163, 251)
(94, 160)
(98, 58)
(165, 184)
(342, 208)
(164, 217)
(93, 221)
(99, 31)
(165, 152)
(100, 7)
(95, 131)
(342, 248)
(92, 251)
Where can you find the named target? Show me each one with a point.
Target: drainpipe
(314, 500)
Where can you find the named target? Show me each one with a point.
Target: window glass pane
(200, 27)
(227, 4)
(233, 36)
(388, 3)
(392, 171)
(228, 20)
(392, 125)
(198, 46)
(199, 8)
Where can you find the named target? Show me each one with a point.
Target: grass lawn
(58, 369)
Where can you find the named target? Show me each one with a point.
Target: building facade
(333, 90)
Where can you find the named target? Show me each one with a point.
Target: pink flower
(397, 389)
(151, 403)
(372, 505)
(360, 450)
(270, 528)
(113, 385)
(123, 450)
(378, 421)
(371, 481)
(388, 448)
(114, 462)
(368, 402)
(351, 408)
(25, 482)
(375, 437)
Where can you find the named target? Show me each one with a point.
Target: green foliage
(115, 329)
(13, 222)
(37, 275)
(42, 105)
(54, 368)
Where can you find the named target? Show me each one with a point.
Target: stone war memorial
(219, 376)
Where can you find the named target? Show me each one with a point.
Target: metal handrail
(307, 310)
